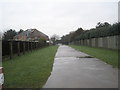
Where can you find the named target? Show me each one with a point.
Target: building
(31, 35)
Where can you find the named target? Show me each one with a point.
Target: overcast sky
(56, 16)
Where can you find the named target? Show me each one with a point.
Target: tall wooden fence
(111, 42)
(9, 48)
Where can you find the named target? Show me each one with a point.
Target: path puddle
(85, 57)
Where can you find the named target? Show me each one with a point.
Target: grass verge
(30, 70)
(107, 55)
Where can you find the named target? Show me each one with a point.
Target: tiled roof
(30, 33)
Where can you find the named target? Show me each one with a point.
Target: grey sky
(56, 16)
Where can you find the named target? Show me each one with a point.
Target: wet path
(74, 69)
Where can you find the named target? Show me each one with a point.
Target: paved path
(72, 70)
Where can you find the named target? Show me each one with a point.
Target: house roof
(31, 33)
(37, 33)
(24, 33)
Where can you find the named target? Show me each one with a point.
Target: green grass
(107, 55)
(30, 70)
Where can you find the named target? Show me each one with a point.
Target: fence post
(11, 49)
(18, 47)
(31, 46)
(28, 46)
(36, 45)
(23, 47)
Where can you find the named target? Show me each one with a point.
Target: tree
(20, 31)
(66, 39)
(54, 38)
(76, 34)
(105, 24)
(9, 34)
(101, 30)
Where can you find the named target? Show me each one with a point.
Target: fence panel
(5, 48)
(16, 47)
(111, 42)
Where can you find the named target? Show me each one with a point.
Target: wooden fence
(11, 47)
